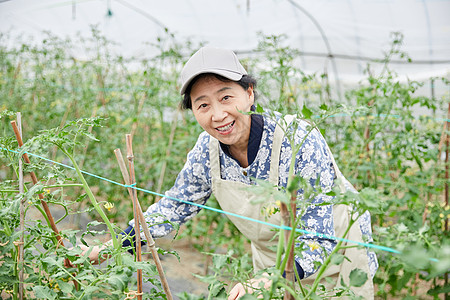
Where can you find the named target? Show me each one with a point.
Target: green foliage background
(378, 140)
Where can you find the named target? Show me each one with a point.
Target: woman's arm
(192, 184)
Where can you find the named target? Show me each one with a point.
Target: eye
(203, 105)
(225, 98)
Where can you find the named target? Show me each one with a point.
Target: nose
(218, 114)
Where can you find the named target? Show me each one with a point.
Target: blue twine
(321, 235)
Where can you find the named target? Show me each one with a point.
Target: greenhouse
(272, 149)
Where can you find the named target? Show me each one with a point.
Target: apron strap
(214, 159)
(278, 136)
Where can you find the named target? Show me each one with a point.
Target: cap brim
(225, 73)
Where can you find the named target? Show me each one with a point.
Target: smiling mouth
(226, 128)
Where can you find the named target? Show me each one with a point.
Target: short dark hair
(245, 82)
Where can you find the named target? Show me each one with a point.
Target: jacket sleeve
(314, 164)
(192, 184)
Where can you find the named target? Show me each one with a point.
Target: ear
(251, 95)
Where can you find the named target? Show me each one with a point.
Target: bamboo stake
(148, 236)
(34, 179)
(22, 216)
(137, 231)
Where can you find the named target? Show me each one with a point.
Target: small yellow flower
(273, 208)
(108, 205)
(410, 172)
(313, 246)
(270, 210)
(441, 216)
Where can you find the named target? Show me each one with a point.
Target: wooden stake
(137, 230)
(148, 236)
(34, 179)
(18, 133)
(22, 217)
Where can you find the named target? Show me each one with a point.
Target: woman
(234, 150)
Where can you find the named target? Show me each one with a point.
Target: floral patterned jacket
(193, 184)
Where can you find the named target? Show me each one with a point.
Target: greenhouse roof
(341, 36)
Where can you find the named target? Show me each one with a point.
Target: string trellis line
(133, 186)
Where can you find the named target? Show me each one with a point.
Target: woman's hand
(94, 255)
(252, 285)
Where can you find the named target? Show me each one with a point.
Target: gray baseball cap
(211, 60)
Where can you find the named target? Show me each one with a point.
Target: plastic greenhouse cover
(340, 36)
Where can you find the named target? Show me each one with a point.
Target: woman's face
(216, 106)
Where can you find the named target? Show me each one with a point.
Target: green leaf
(65, 287)
(331, 193)
(306, 112)
(323, 107)
(259, 109)
(439, 290)
(337, 259)
(293, 186)
(117, 281)
(357, 277)
(51, 261)
(408, 126)
(43, 292)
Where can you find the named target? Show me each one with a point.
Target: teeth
(225, 128)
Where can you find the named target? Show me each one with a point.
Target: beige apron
(235, 197)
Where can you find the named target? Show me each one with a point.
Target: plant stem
(62, 185)
(290, 247)
(328, 259)
(97, 207)
(280, 249)
(299, 282)
(288, 289)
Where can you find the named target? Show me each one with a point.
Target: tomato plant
(391, 153)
